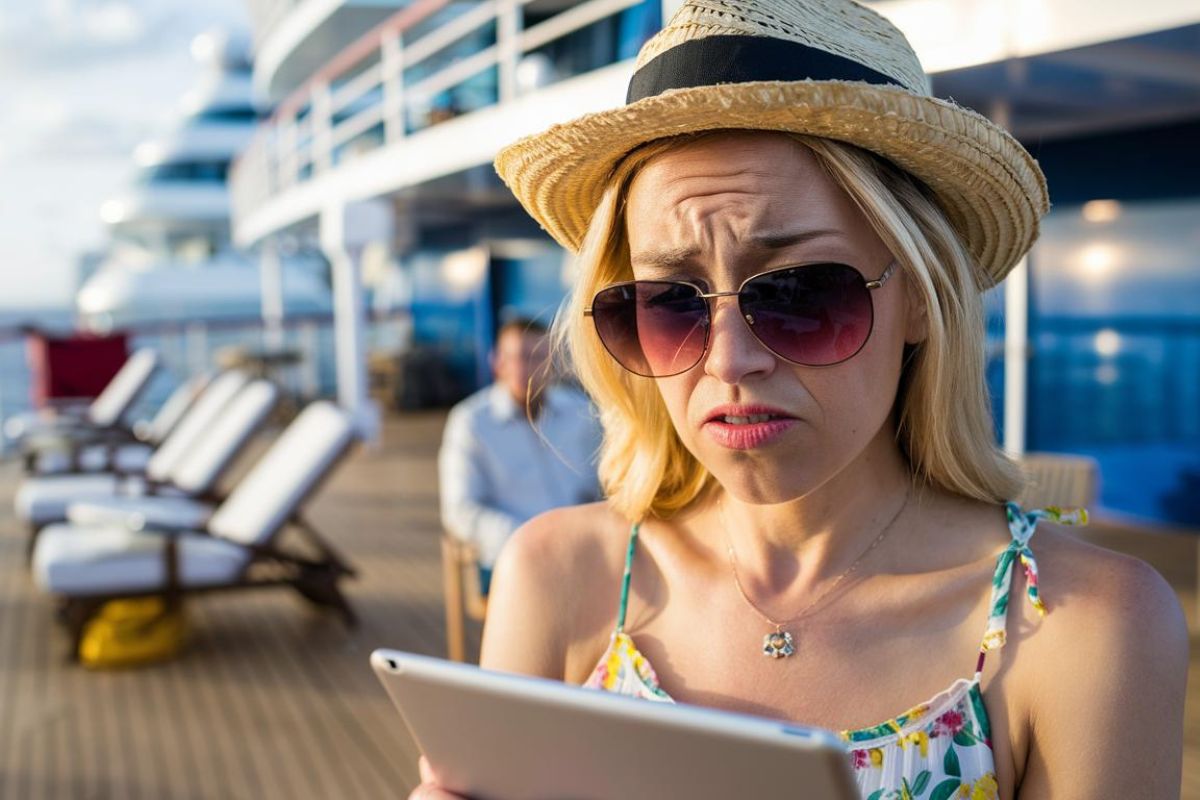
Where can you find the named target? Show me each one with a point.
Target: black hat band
(743, 59)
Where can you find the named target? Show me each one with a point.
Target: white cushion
(199, 418)
(137, 513)
(172, 411)
(45, 499)
(197, 470)
(75, 560)
(117, 397)
(282, 478)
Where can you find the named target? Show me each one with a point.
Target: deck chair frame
(84, 426)
(316, 580)
(151, 487)
(462, 593)
(111, 439)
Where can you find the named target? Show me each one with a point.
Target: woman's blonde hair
(944, 424)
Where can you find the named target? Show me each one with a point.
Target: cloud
(82, 82)
(88, 135)
(59, 35)
(87, 77)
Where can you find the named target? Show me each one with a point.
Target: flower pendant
(778, 644)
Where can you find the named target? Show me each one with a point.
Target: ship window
(235, 114)
(193, 171)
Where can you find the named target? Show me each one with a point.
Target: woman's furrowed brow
(671, 259)
(772, 240)
(665, 260)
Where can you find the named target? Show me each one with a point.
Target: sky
(81, 83)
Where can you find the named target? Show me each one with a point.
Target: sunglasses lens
(652, 328)
(816, 315)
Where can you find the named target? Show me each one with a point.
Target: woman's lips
(747, 435)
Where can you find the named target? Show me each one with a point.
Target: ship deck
(272, 699)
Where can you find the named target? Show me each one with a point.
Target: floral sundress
(938, 750)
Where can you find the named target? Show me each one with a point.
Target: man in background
(515, 448)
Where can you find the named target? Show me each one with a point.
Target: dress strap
(1021, 524)
(633, 537)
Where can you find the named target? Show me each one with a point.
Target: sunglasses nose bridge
(732, 349)
(711, 298)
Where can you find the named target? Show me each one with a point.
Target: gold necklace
(780, 643)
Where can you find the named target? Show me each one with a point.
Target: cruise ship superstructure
(171, 256)
(381, 143)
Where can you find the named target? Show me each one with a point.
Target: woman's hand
(429, 789)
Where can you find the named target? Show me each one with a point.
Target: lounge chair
(225, 426)
(120, 449)
(172, 511)
(106, 412)
(86, 566)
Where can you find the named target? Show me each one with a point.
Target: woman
(783, 240)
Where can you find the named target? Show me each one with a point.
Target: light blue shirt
(496, 471)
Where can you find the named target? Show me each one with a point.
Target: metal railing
(189, 347)
(434, 60)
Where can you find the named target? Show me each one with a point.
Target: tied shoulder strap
(624, 607)
(1021, 524)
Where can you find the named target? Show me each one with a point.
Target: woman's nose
(734, 353)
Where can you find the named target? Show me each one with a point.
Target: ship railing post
(309, 342)
(195, 337)
(271, 276)
(392, 61)
(508, 39)
(322, 128)
(286, 153)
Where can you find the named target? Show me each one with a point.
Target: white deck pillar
(1016, 357)
(346, 229)
(272, 294)
(1016, 331)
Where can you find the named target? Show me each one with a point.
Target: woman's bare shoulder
(1094, 580)
(1101, 677)
(1103, 607)
(564, 541)
(551, 588)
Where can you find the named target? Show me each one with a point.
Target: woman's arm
(530, 602)
(528, 608)
(1106, 707)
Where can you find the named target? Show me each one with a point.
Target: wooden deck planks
(274, 699)
(271, 699)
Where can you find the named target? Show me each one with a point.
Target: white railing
(370, 96)
(191, 347)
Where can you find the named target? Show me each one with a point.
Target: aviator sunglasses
(814, 315)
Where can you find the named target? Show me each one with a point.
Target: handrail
(158, 327)
(356, 51)
(573, 19)
(449, 33)
(371, 85)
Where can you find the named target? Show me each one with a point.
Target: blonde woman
(783, 242)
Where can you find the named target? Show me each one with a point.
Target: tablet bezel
(454, 711)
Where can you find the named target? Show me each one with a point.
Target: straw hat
(828, 68)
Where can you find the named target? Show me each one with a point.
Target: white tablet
(497, 736)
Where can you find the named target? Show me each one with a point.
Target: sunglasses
(814, 315)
